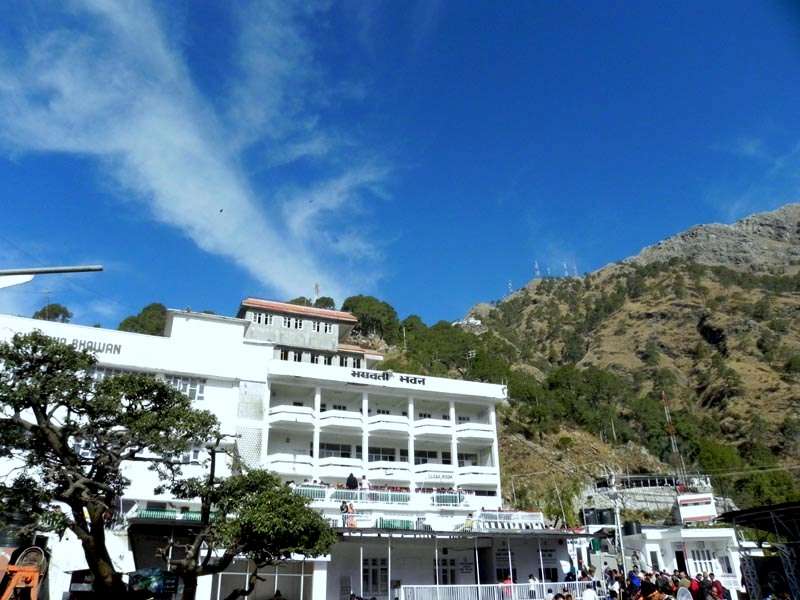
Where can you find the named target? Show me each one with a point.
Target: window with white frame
(423, 415)
(298, 323)
(703, 560)
(101, 373)
(328, 327)
(328, 359)
(422, 457)
(262, 318)
(383, 411)
(357, 363)
(316, 326)
(315, 358)
(337, 450)
(725, 562)
(342, 361)
(287, 322)
(193, 387)
(191, 457)
(298, 356)
(83, 448)
(375, 576)
(377, 454)
(447, 571)
(467, 459)
(463, 419)
(339, 407)
(284, 354)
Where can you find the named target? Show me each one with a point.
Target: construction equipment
(24, 577)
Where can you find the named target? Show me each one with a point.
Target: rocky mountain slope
(759, 243)
(708, 320)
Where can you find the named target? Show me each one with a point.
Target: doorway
(680, 561)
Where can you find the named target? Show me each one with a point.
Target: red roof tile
(295, 309)
(359, 349)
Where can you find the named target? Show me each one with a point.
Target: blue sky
(425, 152)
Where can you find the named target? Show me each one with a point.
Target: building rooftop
(358, 349)
(296, 309)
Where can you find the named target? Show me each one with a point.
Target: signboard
(386, 376)
(90, 345)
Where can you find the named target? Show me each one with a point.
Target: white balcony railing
(394, 423)
(416, 500)
(499, 591)
(377, 520)
(432, 428)
(434, 473)
(287, 413)
(339, 468)
(493, 520)
(477, 475)
(474, 430)
(389, 470)
(340, 418)
(291, 464)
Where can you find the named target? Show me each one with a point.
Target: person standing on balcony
(352, 482)
(364, 484)
(532, 586)
(351, 515)
(343, 510)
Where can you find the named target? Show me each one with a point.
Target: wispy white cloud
(773, 179)
(113, 88)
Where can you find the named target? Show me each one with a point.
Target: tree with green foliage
(574, 348)
(152, 320)
(651, 353)
(375, 317)
(53, 312)
(71, 435)
(325, 302)
(761, 310)
(301, 301)
(793, 364)
(413, 325)
(251, 515)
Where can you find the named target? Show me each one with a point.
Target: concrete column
(495, 450)
(265, 420)
(317, 414)
(453, 440)
(319, 581)
(365, 433)
(411, 441)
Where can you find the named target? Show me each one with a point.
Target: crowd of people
(662, 585)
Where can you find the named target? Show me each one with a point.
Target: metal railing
(165, 514)
(385, 497)
(499, 591)
(321, 494)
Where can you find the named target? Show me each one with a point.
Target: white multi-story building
(313, 409)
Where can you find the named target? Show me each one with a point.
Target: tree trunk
(189, 586)
(107, 582)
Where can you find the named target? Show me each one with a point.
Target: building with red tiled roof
(305, 333)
